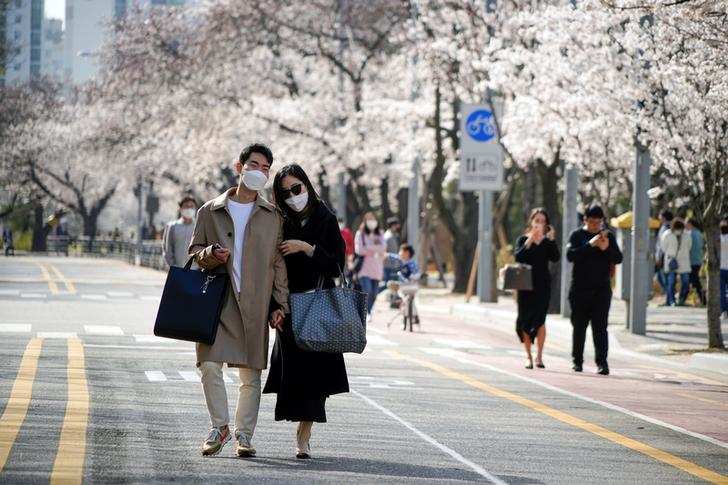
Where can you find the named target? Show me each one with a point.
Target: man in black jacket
(594, 252)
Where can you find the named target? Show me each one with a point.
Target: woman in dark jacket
(313, 250)
(536, 247)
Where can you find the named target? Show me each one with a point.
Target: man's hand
(221, 254)
(276, 319)
(293, 246)
(603, 242)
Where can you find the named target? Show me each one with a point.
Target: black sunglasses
(295, 190)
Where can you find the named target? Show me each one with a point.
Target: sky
(55, 9)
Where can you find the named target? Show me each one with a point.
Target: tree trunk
(529, 191)
(384, 195)
(39, 233)
(548, 178)
(712, 239)
(402, 197)
(324, 189)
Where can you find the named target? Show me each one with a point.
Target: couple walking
(268, 251)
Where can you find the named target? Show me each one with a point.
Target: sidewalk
(676, 336)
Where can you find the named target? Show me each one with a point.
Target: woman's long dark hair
(365, 229)
(534, 213)
(294, 170)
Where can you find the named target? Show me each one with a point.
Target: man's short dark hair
(256, 148)
(594, 212)
(667, 215)
(392, 221)
(187, 198)
(409, 249)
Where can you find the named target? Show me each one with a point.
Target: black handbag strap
(188, 265)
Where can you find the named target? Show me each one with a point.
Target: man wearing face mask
(178, 233)
(238, 233)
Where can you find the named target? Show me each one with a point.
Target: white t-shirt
(240, 214)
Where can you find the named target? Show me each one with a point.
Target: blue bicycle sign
(480, 125)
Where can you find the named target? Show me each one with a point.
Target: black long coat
(533, 305)
(297, 374)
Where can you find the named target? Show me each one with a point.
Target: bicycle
(405, 302)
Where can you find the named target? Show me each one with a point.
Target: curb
(713, 362)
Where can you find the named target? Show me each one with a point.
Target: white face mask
(254, 179)
(189, 213)
(298, 202)
(372, 224)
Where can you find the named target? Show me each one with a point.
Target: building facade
(23, 34)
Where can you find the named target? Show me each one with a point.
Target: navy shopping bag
(191, 304)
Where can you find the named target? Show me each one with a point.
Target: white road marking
(376, 340)
(15, 327)
(460, 357)
(120, 294)
(403, 383)
(33, 295)
(152, 339)
(103, 330)
(190, 375)
(136, 347)
(94, 296)
(429, 439)
(57, 335)
(150, 297)
(155, 376)
(9, 292)
(461, 344)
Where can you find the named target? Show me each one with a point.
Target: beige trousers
(246, 412)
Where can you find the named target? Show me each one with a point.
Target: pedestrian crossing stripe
(103, 330)
(62, 335)
(93, 296)
(15, 327)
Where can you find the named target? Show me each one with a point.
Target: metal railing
(149, 255)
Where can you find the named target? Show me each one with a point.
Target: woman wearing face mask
(369, 244)
(313, 250)
(676, 245)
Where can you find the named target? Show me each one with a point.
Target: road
(88, 394)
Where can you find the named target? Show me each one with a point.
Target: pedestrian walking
(594, 251)
(536, 247)
(666, 218)
(369, 245)
(697, 254)
(178, 233)
(239, 231)
(392, 241)
(348, 238)
(676, 245)
(724, 267)
(313, 250)
(8, 241)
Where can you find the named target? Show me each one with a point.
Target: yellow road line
(71, 455)
(47, 278)
(657, 454)
(17, 406)
(69, 285)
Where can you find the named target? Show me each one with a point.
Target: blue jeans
(389, 275)
(662, 279)
(369, 286)
(724, 290)
(684, 286)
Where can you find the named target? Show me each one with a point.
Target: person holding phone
(238, 233)
(536, 247)
(594, 251)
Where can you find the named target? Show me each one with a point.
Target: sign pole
(413, 213)
(640, 266)
(485, 241)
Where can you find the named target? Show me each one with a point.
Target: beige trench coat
(242, 337)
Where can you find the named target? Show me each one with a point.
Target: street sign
(481, 156)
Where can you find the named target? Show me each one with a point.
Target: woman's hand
(293, 246)
(551, 234)
(276, 319)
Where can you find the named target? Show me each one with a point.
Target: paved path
(87, 393)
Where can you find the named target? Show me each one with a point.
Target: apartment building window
(18, 18)
(18, 3)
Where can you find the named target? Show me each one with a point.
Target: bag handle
(188, 265)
